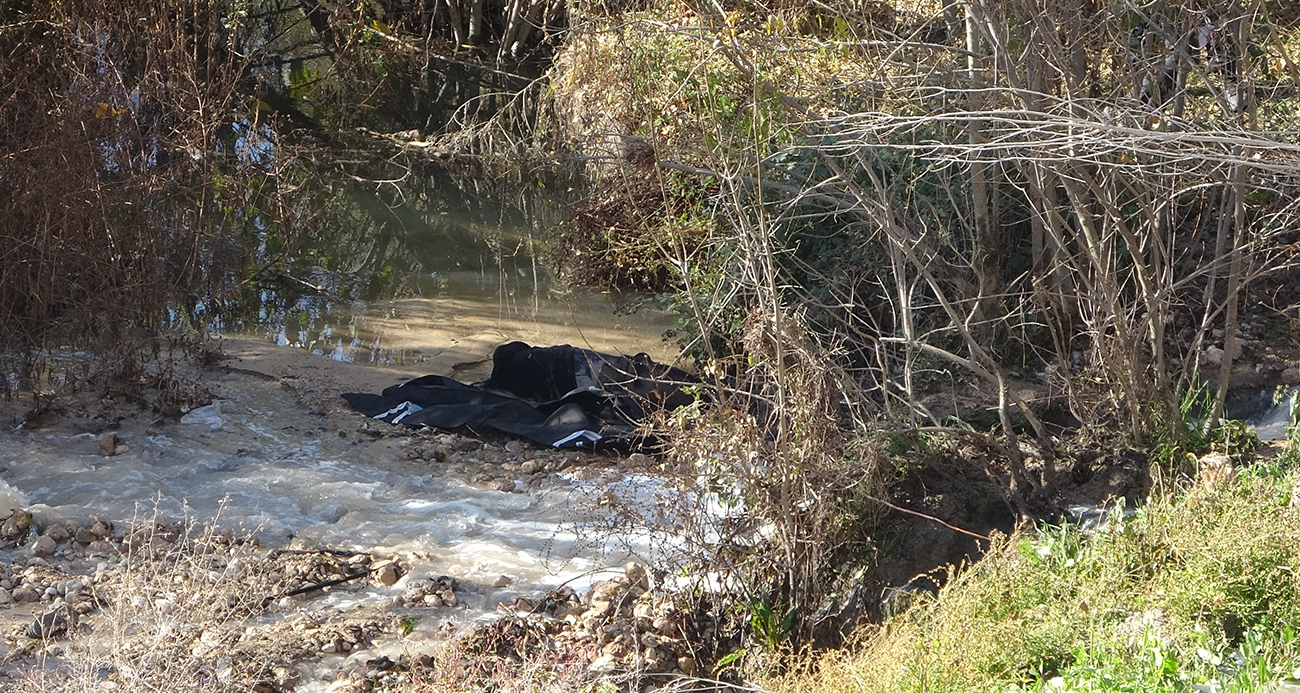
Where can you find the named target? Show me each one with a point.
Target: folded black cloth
(560, 396)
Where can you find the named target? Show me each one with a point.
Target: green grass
(1197, 589)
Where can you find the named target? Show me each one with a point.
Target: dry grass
(191, 607)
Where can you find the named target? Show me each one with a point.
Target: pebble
(530, 467)
(502, 581)
(1291, 376)
(604, 664)
(505, 486)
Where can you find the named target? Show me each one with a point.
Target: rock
(44, 546)
(505, 486)
(639, 460)
(530, 467)
(636, 576)
(209, 416)
(387, 575)
(514, 447)
(24, 594)
(108, 444)
(687, 665)
(1212, 356)
(57, 532)
(503, 581)
(1291, 376)
(102, 528)
(1215, 472)
(604, 664)
(434, 455)
(84, 536)
(16, 527)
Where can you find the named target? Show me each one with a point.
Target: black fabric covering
(559, 396)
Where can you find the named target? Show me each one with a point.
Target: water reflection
(404, 262)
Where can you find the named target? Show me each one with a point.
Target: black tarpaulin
(560, 396)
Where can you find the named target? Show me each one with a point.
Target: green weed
(1189, 591)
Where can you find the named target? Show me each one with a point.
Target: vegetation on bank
(1195, 590)
(1016, 227)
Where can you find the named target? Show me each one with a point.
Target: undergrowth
(1195, 591)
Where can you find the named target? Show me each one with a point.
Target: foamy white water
(278, 472)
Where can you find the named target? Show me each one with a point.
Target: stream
(437, 298)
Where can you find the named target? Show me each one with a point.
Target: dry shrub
(178, 614)
(625, 237)
(778, 447)
(191, 606)
(110, 128)
(508, 655)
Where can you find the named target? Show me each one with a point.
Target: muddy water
(431, 268)
(455, 335)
